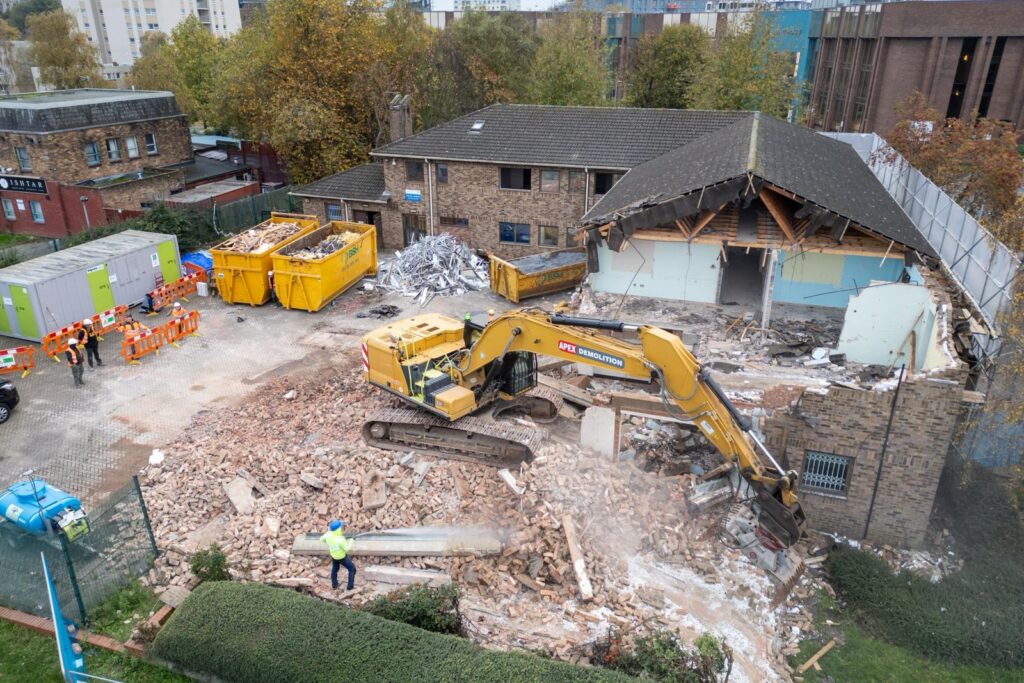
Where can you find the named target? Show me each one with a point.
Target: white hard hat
(87, 321)
(177, 304)
(73, 342)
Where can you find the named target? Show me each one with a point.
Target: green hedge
(430, 608)
(974, 616)
(251, 633)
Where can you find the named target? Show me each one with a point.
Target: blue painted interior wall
(820, 279)
(670, 270)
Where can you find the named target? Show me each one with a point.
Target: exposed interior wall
(887, 324)
(818, 279)
(671, 270)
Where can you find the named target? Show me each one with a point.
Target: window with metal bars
(826, 472)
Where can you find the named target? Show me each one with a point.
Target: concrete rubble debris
(403, 576)
(421, 468)
(510, 481)
(375, 490)
(240, 494)
(260, 238)
(380, 312)
(598, 430)
(411, 542)
(579, 564)
(434, 265)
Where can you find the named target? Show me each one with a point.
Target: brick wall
(472, 192)
(130, 196)
(62, 211)
(60, 155)
(852, 423)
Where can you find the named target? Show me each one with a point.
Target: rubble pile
(254, 477)
(260, 238)
(667, 448)
(933, 565)
(326, 247)
(435, 265)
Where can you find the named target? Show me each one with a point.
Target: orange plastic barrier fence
(193, 269)
(181, 327)
(18, 358)
(164, 295)
(110, 319)
(187, 285)
(56, 343)
(141, 343)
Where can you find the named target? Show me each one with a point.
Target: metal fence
(244, 213)
(86, 573)
(982, 265)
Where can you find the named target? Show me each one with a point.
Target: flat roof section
(209, 191)
(45, 268)
(64, 98)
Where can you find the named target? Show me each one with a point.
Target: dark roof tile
(360, 183)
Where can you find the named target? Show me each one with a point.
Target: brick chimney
(400, 115)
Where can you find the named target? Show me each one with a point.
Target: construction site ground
(279, 395)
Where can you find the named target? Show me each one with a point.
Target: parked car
(8, 399)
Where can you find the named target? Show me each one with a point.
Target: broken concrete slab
(256, 483)
(510, 481)
(292, 582)
(598, 430)
(421, 470)
(403, 576)
(311, 479)
(708, 494)
(239, 492)
(271, 526)
(412, 542)
(174, 595)
(374, 490)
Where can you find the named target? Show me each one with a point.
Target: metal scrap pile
(260, 238)
(328, 245)
(434, 265)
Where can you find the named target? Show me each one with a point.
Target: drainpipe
(430, 199)
(586, 190)
(885, 447)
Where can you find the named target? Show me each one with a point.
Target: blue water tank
(29, 504)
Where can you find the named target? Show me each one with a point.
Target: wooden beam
(817, 655)
(579, 564)
(704, 220)
(681, 224)
(777, 211)
(569, 392)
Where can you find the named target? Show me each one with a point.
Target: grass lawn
(8, 239)
(28, 657)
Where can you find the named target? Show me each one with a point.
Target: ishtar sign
(17, 183)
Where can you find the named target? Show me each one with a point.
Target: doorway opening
(371, 218)
(742, 279)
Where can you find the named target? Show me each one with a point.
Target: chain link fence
(118, 548)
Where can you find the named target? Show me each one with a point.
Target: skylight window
(478, 127)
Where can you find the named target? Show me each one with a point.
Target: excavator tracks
(540, 403)
(471, 439)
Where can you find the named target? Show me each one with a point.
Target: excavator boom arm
(684, 384)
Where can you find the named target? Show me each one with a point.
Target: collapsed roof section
(833, 187)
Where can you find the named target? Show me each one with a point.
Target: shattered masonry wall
(670, 270)
(852, 422)
(829, 279)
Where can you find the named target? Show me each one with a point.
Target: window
(37, 211)
(455, 221)
(414, 170)
(132, 145)
(516, 233)
(92, 153)
(113, 150)
(334, 212)
(23, 161)
(547, 236)
(515, 179)
(826, 472)
(442, 174)
(549, 181)
(9, 210)
(577, 182)
(604, 182)
(150, 143)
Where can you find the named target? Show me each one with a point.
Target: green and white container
(58, 289)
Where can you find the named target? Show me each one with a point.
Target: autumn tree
(12, 67)
(975, 161)
(18, 15)
(746, 70)
(155, 69)
(63, 53)
(195, 53)
(666, 66)
(571, 64)
(292, 79)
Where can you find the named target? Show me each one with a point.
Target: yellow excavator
(451, 370)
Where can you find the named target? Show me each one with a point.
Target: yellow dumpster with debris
(242, 264)
(539, 274)
(312, 270)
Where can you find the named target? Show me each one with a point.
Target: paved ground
(90, 440)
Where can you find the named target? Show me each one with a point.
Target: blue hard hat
(335, 525)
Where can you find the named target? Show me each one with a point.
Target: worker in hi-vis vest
(339, 546)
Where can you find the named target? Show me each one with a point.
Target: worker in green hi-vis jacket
(339, 546)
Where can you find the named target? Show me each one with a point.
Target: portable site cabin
(57, 289)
